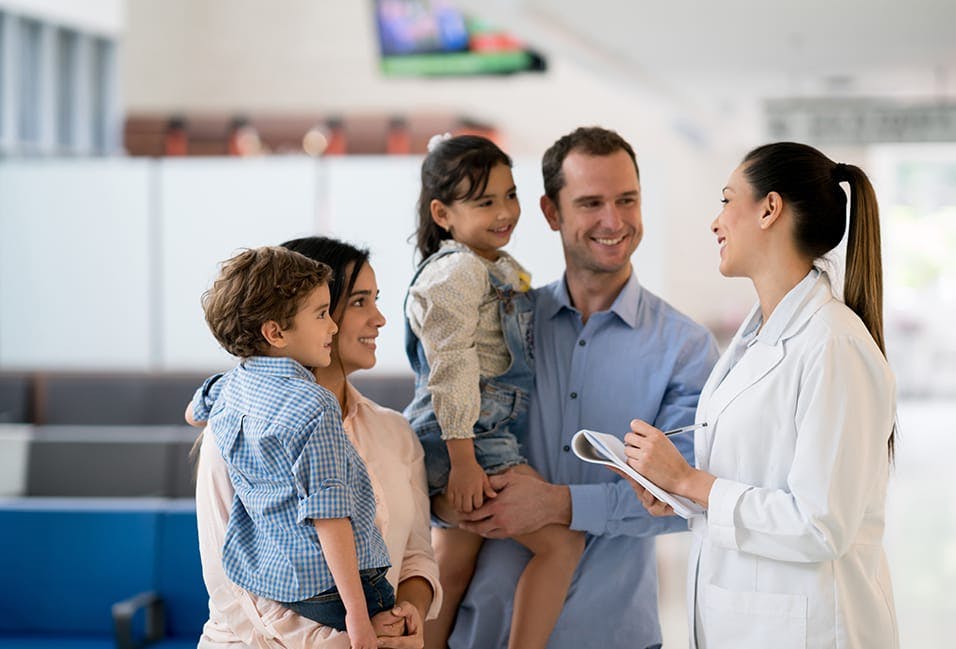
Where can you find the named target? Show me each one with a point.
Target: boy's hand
(361, 633)
(468, 486)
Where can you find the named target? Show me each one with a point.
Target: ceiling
(721, 53)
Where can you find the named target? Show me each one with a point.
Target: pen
(685, 429)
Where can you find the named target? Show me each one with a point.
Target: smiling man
(606, 351)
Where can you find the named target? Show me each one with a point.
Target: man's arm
(612, 508)
(525, 503)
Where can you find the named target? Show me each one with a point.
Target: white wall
(206, 210)
(74, 259)
(103, 262)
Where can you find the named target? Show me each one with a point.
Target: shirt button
(574, 395)
(581, 343)
(566, 448)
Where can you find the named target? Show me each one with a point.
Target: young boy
(301, 530)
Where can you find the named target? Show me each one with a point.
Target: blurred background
(144, 141)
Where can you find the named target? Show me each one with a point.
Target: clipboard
(602, 448)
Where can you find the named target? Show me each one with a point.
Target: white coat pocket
(748, 619)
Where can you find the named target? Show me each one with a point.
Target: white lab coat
(789, 553)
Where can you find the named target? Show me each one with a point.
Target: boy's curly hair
(255, 286)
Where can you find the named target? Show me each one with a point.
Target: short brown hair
(255, 286)
(591, 140)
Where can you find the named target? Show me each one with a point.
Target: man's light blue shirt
(639, 359)
(290, 461)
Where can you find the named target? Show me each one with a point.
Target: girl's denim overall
(504, 398)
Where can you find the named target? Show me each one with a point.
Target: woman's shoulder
(383, 420)
(837, 326)
(835, 319)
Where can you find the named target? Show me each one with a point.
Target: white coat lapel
(768, 350)
(754, 365)
(723, 363)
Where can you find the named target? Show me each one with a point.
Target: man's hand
(408, 617)
(525, 503)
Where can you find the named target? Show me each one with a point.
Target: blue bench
(69, 566)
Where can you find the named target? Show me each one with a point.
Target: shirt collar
(277, 366)
(355, 399)
(625, 306)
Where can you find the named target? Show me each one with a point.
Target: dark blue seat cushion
(58, 642)
(65, 563)
(179, 573)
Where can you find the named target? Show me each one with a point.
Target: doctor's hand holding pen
(653, 455)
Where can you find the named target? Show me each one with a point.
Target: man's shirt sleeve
(612, 507)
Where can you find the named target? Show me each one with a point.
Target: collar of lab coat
(767, 350)
(796, 307)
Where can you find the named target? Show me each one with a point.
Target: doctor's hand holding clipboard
(651, 453)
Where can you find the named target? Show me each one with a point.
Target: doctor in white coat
(792, 466)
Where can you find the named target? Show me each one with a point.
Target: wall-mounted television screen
(434, 38)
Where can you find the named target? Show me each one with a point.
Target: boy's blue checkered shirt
(290, 461)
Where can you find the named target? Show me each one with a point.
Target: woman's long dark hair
(810, 183)
(345, 260)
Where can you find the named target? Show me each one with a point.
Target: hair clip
(436, 140)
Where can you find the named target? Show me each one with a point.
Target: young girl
(468, 338)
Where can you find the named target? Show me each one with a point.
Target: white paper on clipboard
(602, 448)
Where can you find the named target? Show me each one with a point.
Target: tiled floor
(920, 534)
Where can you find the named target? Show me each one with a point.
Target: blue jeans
(327, 607)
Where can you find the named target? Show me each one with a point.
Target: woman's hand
(653, 506)
(389, 623)
(655, 457)
(468, 486)
(412, 636)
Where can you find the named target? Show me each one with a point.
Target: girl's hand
(361, 633)
(651, 454)
(468, 486)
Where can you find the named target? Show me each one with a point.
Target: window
(4, 96)
(57, 89)
(66, 91)
(101, 76)
(916, 186)
(28, 86)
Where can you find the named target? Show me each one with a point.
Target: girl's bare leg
(456, 552)
(543, 585)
